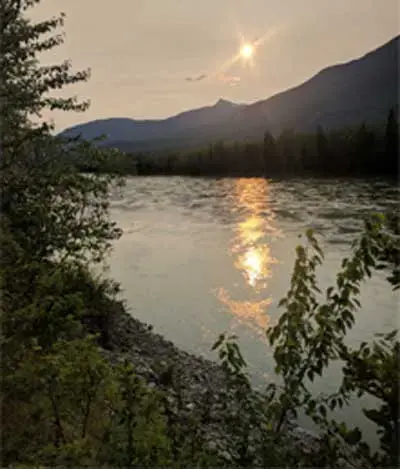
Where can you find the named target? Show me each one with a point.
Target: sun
(247, 51)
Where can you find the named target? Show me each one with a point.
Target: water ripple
(337, 206)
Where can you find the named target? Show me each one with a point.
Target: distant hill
(344, 94)
(124, 131)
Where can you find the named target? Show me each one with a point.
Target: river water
(202, 256)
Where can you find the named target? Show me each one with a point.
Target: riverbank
(193, 386)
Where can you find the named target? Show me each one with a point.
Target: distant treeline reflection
(360, 150)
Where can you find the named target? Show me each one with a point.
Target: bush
(311, 333)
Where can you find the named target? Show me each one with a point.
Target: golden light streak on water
(251, 253)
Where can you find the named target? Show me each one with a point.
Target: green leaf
(282, 302)
(329, 292)
(391, 335)
(219, 342)
(322, 411)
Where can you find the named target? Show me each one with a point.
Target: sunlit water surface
(202, 256)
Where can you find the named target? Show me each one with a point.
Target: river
(202, 256)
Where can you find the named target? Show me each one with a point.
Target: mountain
(345, 94)
(124, 130)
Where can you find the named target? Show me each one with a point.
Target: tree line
(355, 151)
(360, 150)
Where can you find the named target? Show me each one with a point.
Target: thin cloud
(231, 80)
(198, 78)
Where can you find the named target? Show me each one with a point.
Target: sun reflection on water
(250, 313)
(250, 249)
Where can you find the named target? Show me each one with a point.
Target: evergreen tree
(365, 153)
(287, 157)
(392, 143)
(322, 150)
(269, 151)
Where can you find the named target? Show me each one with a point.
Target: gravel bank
(202, 384)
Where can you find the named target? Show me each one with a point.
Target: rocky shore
(201, 384)
(192, 384)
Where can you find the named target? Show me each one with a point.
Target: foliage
(310, 334)
(250, 414)
(48, 206)
(374, 370)
(54, 220)
(78, 410)
(62, 403)
(137, 431)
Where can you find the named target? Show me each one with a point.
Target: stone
(190, 406)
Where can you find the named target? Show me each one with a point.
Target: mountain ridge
(362, 89)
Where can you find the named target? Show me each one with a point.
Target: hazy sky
(142, 51)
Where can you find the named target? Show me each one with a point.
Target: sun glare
(247, 51)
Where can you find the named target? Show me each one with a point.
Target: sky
(142, 52)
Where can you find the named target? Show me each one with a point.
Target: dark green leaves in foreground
(311, 334)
